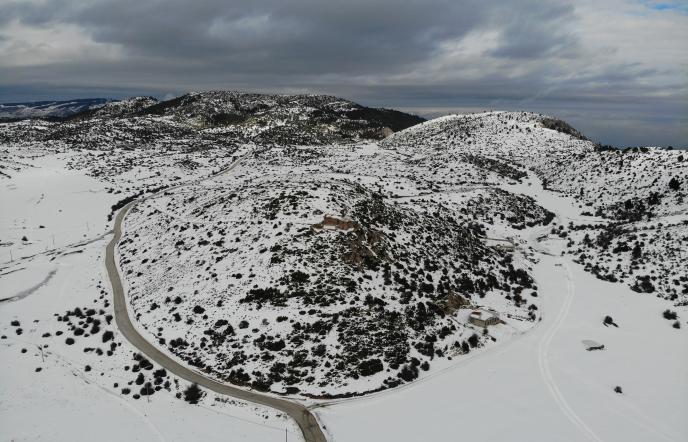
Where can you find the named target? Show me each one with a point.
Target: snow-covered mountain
(217, 119)
(49, 109)
(309, 247)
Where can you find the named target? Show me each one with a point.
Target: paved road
(304, 418)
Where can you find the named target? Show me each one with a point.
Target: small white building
(483, 318)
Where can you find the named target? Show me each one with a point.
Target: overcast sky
(615, 69)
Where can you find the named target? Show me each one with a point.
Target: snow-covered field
(51, 207)
(63, 393)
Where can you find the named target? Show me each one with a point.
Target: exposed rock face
(335, 222)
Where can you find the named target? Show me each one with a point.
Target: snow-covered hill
(214, 119)
(632, 223)
(243, 276)
(329, 262)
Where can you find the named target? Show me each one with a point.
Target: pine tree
(674, 184)
(637, 252)
(193, 394)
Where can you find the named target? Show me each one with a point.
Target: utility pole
(285, 435)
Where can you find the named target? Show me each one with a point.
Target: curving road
(304, 418)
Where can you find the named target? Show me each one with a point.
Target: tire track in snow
(24, 293)
(77, 372)
(543, 360)
(73, 368)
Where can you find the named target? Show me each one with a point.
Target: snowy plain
(65, 400)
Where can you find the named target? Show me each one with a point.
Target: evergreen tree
(674, 184)
(637, 252)
(193, 394)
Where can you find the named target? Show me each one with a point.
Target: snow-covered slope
(240, 276)
(635, 196)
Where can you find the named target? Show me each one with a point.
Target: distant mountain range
(49, 109)
(215, 108)
(208, 119)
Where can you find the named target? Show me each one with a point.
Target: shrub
(637, 252)
(473, 340)
(147, 389)
(676, 324)
(370, 367)
(668, 314)
(408, 373)
(618, 389)
(609, 321)
(299, 277)
(107, 335)
(193, 394)
(275, 345)
(674, 184)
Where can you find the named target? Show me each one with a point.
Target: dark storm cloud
(535, 32)
(296, 37)
(522, 54)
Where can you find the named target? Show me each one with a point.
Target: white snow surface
(64, 401)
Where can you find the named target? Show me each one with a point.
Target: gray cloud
(300, 37)
(429, 54)
(534, 32)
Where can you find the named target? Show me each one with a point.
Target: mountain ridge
(49, 109)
